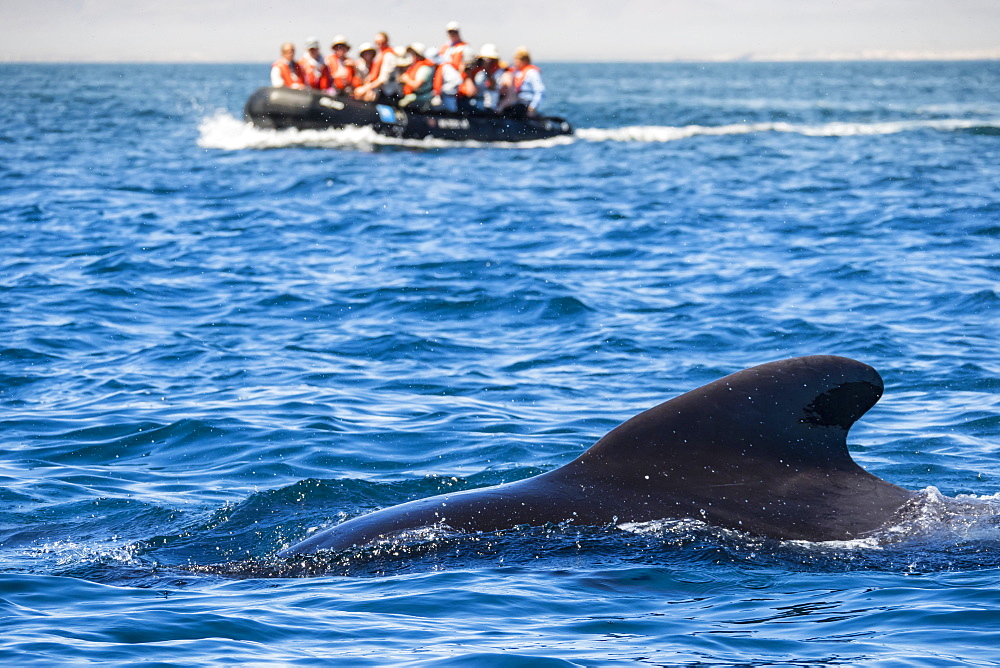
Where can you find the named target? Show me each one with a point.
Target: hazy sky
(203, 30)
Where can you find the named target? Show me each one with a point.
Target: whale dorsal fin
(795, 411)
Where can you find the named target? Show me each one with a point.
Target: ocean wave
(213, 352)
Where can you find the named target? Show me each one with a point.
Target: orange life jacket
(411, 72)
(320, 81)
(520, 74)
(468, 87)
(341, 74)
(377, 64)
(456, 59)
(438, 79)
(291, 73)
(457, 55)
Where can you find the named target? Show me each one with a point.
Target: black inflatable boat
(280, 108)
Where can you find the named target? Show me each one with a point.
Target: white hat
(365, 46)
(489, 51)
(338, 40)
(418, 47)
(452, 25)
(312, 43)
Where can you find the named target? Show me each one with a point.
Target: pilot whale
(762, 451)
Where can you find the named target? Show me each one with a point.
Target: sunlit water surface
(218, 339)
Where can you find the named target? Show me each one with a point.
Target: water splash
(960, 519)
(930, 515)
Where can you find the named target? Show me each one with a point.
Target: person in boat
(483, 78)
(418, 79)
(524, 88)
(381, 84)
(451, 67)
(316, 72)
(342, 69)
(363, 65)
(285, 72)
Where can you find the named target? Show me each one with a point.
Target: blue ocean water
(217, 339)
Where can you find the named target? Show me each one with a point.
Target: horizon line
(857, 58)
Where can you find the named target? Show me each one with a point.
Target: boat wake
(660, 133)
(226, 132)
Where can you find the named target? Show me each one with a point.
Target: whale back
(763, 450)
